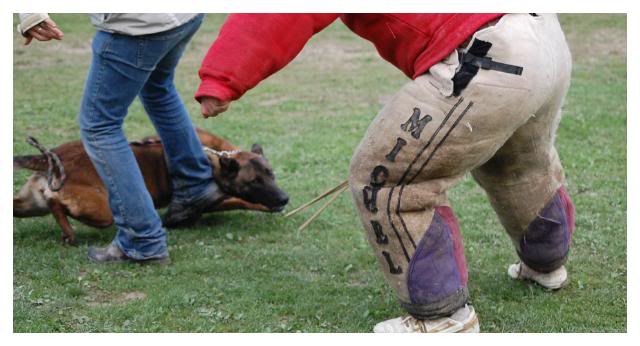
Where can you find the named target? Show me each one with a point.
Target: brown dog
(245, 177)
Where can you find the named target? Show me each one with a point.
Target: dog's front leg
(58, 211)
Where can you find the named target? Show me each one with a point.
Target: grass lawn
(253, 272)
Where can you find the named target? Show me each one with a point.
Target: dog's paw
(67, 240)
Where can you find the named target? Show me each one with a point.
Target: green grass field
(251, 272)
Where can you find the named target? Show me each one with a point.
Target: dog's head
(248, 175)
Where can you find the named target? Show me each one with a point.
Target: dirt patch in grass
(274, 101)
(102, 298)
(51, 54)
(328, 51)
(596, 37)
(602, 44)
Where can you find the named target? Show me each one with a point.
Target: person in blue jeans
(136, 55)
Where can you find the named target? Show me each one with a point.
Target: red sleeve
(251, 47)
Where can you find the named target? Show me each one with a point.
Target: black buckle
(475, 59)
(487, 63)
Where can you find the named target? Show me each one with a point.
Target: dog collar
(224, 153)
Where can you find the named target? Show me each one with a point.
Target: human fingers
(211, 106)
(37, 34)
(51, 29)
(208, 110)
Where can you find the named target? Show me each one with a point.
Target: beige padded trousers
(501, 128)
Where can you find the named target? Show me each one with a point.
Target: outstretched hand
(211, 106)
(44, 31)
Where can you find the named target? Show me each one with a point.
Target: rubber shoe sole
(112, 254)
(554, 280)
(408, 324)
(154, 261)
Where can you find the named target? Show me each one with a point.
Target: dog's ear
(229, 167)
(257, 149)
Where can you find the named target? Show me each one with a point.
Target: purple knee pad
(437, 275)
(545, 245)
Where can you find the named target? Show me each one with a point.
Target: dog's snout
(283, 200)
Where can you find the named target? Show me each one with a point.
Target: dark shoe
(181, 214)
(113, 254)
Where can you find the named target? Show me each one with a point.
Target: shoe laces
(413, 324)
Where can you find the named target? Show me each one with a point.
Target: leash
(223, 153)
(53, 161)
(335, 191)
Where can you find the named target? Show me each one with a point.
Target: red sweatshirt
(251, 47)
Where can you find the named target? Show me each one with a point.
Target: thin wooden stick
(324, 206)
(313, 201)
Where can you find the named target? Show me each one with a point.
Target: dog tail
(32, 162)
(48, 161)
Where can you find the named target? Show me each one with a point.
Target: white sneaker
(554, 280)
(462, 321)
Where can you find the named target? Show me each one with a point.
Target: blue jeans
(122, 68)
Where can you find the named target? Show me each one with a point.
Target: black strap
(486, 63)
(475, 59)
